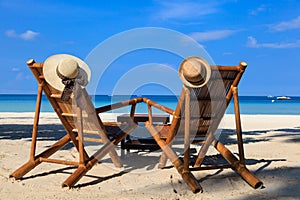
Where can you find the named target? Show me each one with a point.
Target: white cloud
(184, 10)
(211, 35)
(11, 33)
(256, 11)
(287, 25)
(252, 42)
(15, 69)
(28, 35)
(19, 76)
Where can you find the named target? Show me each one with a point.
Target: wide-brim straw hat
(194, 72)
(67, 65)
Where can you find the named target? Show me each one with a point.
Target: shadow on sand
(292, 135)
(56, 131)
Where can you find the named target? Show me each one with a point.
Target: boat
(284, 98)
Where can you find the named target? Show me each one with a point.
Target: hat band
(197, 82)
(71, 85)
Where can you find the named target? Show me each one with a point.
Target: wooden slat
(57, 96)
(112, 124)
(68, 114)
(95, 140)
(64, 162)
(92, 132)
(89, 139)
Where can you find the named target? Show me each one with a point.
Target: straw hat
(67, 66)
(194, 72)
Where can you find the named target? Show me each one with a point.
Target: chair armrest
(158, 106)
(119, 105)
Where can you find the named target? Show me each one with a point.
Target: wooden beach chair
(82, 124)
(200, 127)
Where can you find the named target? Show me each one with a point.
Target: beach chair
(196, 118)
(82, 124)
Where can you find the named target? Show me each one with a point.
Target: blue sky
(265, 34)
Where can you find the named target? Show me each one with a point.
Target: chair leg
(163, 160)
(239, 167)
(33, 159)
(169, 141)
(186, 175)
(36, 121)
(238, 125)
(204, 149)
(104, 150)
(113, 153)
(20, 172)
(83, 169)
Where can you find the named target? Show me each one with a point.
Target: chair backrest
(208, 103)
(66, 111)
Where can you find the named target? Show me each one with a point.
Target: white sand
(271, 148)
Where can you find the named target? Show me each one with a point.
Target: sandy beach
(271, 145)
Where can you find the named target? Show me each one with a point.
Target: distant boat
(270, 97)
(283, 98)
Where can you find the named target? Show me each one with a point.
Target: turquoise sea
(248, 104)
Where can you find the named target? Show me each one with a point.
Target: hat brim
(199, 60)
(51, 63)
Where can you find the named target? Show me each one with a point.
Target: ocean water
(248, 104)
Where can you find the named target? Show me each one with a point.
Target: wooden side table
(141, 143)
